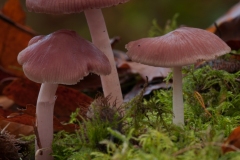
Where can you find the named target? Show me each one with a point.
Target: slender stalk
(44, 119)
(178, 109)
(110, 83)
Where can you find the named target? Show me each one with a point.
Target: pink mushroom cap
(183, 46)
(68, 6)
(62, 57)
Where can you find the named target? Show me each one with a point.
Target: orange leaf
(233, 141)
(13, 10)
(12, 39)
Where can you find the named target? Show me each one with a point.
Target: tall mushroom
(98, 30)
(183, 46)
(59, 58)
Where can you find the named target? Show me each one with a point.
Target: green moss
(211, 110)
(150, 133)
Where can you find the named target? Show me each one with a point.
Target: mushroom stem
(44, 120)
(178, 109)
(110, 83)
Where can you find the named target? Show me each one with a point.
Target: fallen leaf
(27, 117)
(230, 33)
(233, 141)
(29, 120)
(17, 129)
(227, 27)
(153, 85)
(21, 119)
(145, 70)
(25, 92)
(12, 39)
(13, 10)
(128, 72)
(4, 113)
(231, 66)
(92, 82)
(29, 112)
(232, 13)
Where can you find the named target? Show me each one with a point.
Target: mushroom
(98, 30)
(183, 46)
(62, 57)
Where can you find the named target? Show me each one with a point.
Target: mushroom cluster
(92, 9)
(65, 58)
(181, 47)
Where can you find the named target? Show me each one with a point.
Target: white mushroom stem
(178, 109)
(44, 120)
(110, 83)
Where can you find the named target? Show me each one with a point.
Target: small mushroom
(62, 57)
(181, 47)
(96, 23)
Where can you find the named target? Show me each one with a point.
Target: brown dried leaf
(21, 117)
(232, 141)
(145, 70)
(17, 129)
(25, 92)
(227, 27)
(232, 13)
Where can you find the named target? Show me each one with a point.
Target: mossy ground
(212, 105)
(211, 108)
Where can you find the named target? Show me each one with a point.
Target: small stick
(201, 101)
(37, 138)
(4, 129)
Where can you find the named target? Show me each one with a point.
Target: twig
(4, 129)
(181, 151)
(201, 101)
(37, 139)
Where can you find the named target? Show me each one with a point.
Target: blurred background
(133, 20)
